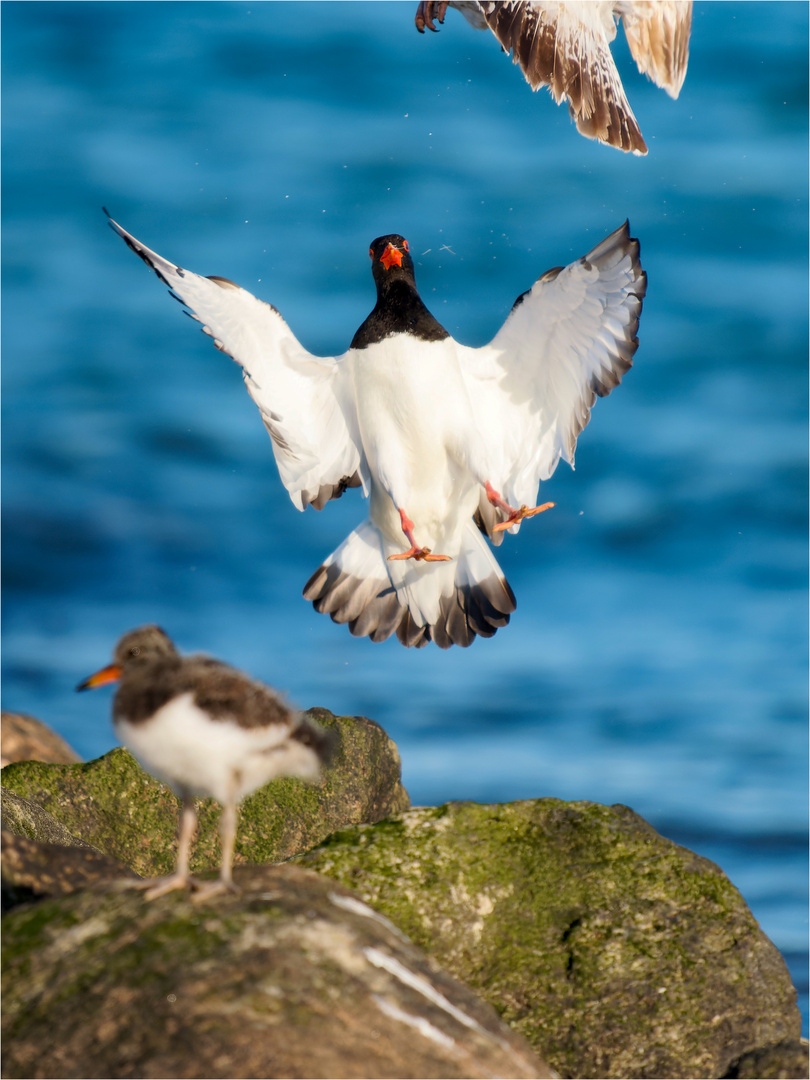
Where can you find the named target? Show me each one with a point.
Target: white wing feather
(306, 401)
(567, 340)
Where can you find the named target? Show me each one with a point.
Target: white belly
(195, 755)
(419, 437)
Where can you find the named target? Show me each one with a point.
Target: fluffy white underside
(195, 755)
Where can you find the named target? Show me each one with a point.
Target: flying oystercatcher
(449, 442)
(206, 730)
(566, 47)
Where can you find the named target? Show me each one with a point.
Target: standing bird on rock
(206, 730)
(566, 47)
(441, 437)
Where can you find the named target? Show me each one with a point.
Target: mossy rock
(26, 818)
(616, 952)
(114, 805)
(294, 977)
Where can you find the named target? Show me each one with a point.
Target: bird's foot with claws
(513, 516)
(425, 13)
(204, 890)
(516, 516)
(421, 555)
(155, 887)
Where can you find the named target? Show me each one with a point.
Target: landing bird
(206, 730)
(566, 47)
(440, 436)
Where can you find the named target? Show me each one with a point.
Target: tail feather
(447, 603)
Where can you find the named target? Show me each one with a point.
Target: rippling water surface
(658, 654)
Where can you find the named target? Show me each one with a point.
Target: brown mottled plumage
(207, 730)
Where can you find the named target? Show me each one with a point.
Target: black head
(139, 648)
(390, 261)
(399, 308)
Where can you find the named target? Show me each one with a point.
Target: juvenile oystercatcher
(566, 47)
(442, 437)
(206, 730)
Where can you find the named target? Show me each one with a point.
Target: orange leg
(414, 552)
(514, 517)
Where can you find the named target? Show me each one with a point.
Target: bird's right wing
(567, 341)
(306, 401)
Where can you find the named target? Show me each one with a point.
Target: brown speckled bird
(206, 730)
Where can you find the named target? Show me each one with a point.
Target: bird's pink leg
(204, 890)
(180, 879)
(414, 552)
(514, 517)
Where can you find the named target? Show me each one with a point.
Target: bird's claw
(204, 890)
(516, 516)
(424, 14)
(155, 887)
(420, 554)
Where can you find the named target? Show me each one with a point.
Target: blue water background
(657, 657)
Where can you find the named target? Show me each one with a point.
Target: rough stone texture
(25, 818)
(32, 870)
(294, 978)
(118, 808)
(24, 738)
(787, 1061)
(616, 952)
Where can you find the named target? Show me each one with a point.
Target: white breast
(197, 755)
(418, 433)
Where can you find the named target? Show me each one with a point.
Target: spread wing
(567, 341)
(566, 47)
(306, 401)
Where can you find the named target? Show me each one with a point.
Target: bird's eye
(405, 245)
(135, 650)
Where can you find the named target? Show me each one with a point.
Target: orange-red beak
(109, 674)
(391, 257)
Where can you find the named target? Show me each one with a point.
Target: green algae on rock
(114, 805)
(294, 977)
(26, 818)
(616, 952)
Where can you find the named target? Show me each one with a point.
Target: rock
(121, 810)
(295, 977)
(614, 951)
(25, 818)
(24, 738)
(787, 1061)
(32, 870)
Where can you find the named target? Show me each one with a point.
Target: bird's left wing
(657, 32)
(567, 341)
(306, 401)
